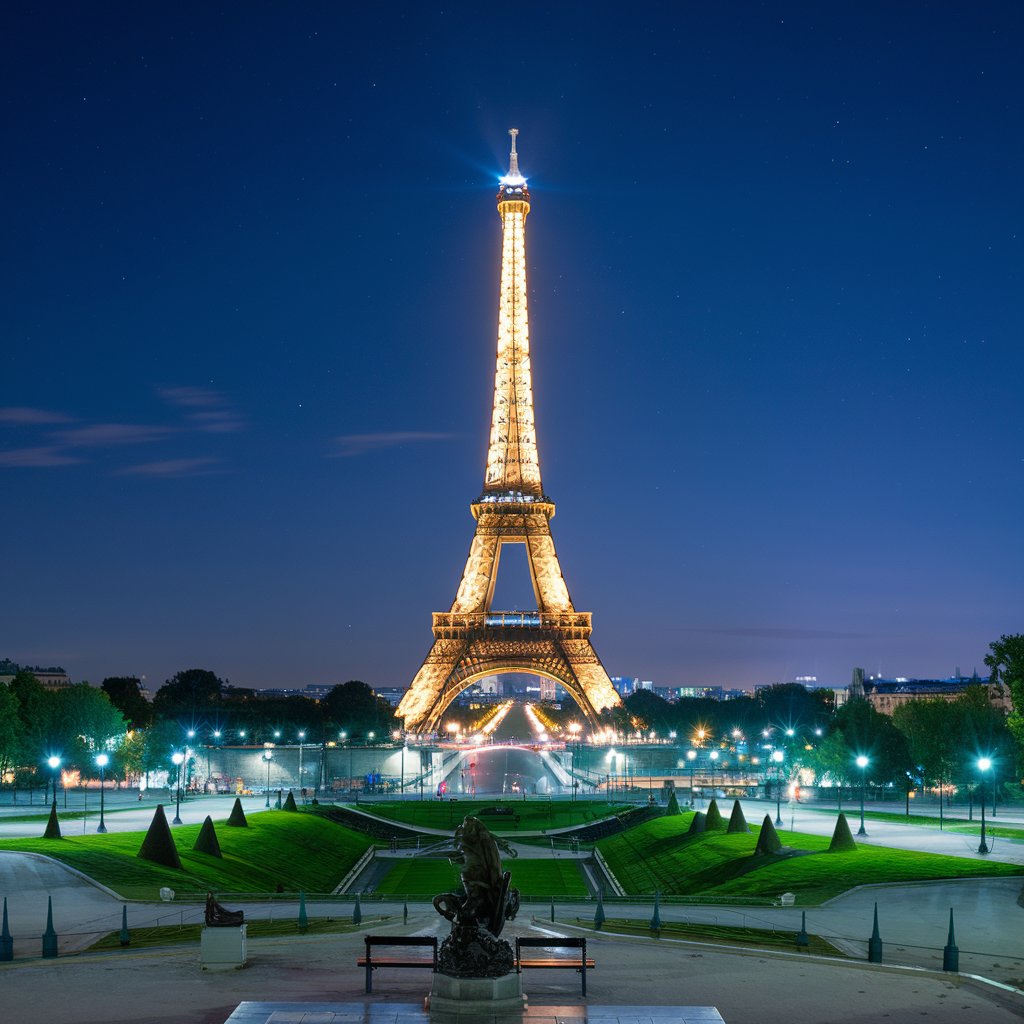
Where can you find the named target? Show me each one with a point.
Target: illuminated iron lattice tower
(472, 640)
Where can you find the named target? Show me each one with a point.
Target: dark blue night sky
(250, 265)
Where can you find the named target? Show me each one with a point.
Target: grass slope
(658, 855)
(534, 815)
(296, 851)
(427, 877)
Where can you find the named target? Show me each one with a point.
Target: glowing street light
(862, 764)
(777, 757)
(54, 763)
(691, 756)
(984, 763)
(178, 758)
(102, 761)
(714, 761)
(268, 756)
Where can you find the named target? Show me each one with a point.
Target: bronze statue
(220, 917)
(479, 913)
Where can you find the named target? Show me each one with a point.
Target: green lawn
(427, 876)
(533, 815)
(760, 938)
(959, 824)
(188, 934)
(659, 856)
(300, 852)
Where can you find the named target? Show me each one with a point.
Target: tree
(354, 707)
(933, 740)
(869, 732)
(1005, 662)
(88, 723)
(10, 730)
(192, 692)
(125, 694)
(832, 761)
(37, 716)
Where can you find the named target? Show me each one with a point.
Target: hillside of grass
(294, 851)
(532, 815)
(660, 856)
(426, 877)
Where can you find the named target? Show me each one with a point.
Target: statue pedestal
(222, 949)
(476, 995)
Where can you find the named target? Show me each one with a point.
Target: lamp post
(268, 756)
(984, 763)
(691, 756)
(302, 792)
(862, 764)
(102, 761)
(54, 763)
(178, 758)
(714, 761)
(777, 757)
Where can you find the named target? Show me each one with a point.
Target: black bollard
(552, 908)
(357, 912)
(49, 936)
(405, 913)
(802, 938)
(655, 924)
(6, 939)
(599, 912)
(875, 943)
(125, 937)
(303, 919)
(950, 952)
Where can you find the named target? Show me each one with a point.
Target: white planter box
(223, 949)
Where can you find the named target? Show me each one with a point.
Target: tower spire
(513, 157)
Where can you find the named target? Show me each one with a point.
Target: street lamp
(178, 758)
(54, 763)
(102, 761)
(862, 764)
(984, 763)
(691, 756)
(777, 757)
(714, 761)
(268, 756)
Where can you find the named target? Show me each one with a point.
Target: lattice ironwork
(471, 640)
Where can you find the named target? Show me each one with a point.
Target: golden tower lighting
(473, 640)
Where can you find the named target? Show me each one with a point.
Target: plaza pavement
(750, 986)
(167, 986)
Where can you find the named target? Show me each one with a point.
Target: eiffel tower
(474, 640)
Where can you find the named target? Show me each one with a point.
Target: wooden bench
(582, 964)
(371, 963)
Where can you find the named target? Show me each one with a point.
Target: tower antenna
(513, 159)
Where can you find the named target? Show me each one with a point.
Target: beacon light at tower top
(513, 178)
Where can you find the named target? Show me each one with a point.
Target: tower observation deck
(473, 640)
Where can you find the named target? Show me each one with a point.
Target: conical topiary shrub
(699, 824)
(714, 817)
(237, 816)
(737, 823)
(289, 803)
(842, 838)
(673, 804)
(52, 824)
(206, 841)
(768, 841)
(158, 846)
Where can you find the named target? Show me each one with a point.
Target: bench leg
(369, 978)
(583, 976)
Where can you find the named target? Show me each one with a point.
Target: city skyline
(253, 274)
